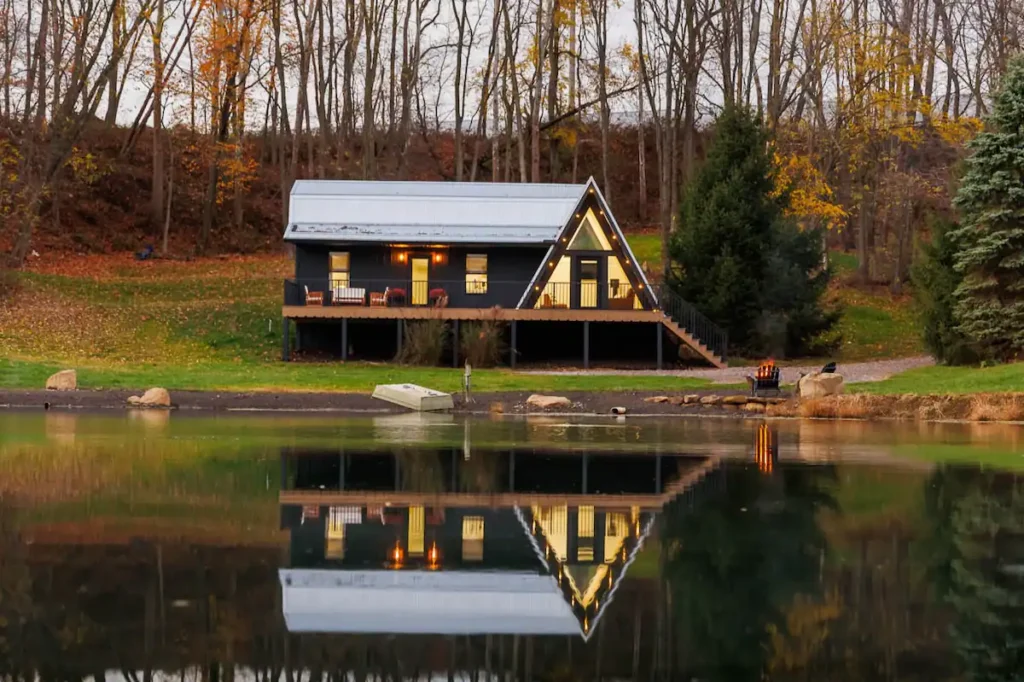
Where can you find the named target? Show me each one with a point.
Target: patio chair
(314, 297)
(766, 379)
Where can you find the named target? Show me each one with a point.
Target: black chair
(830, 368)
(766, 379)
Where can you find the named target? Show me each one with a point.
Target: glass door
(589, 273)
(420, 280)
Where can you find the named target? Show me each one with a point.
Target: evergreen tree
(738, 259)
(935, 281)
(990, 241)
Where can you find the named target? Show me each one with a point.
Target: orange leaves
(236, 171)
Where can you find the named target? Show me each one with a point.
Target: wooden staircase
(684, 336)
(692, 328)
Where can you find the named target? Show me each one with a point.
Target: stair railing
(694, 322)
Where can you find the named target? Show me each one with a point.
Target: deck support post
(511, 471)
(512, 351)
(344, 339)
(286, 331)
(586, 344)
(585, 462)
(661, 335)
(455, 343)
(657, 474)
(398, 337)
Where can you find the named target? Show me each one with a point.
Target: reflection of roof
(407, 602)
(429, 212)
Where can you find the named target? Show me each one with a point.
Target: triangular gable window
(589, 236)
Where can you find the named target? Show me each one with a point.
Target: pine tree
(738, 259)
(990, 241)
(935, 281)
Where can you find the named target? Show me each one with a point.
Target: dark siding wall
(509, 270)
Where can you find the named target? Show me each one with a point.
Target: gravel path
(876, 370)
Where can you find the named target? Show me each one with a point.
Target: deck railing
(469, 293)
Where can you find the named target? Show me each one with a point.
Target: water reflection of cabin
(540, 539)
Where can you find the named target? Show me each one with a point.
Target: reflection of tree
(15, 593)
(735, 562)
(979, 536)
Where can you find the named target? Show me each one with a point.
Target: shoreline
(502, 402)
(977, 407)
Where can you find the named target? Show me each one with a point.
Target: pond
(287, 548)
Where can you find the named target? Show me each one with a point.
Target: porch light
(401, 257)
(640, 286)
(551, 263)
(536, 288)
(591, 190)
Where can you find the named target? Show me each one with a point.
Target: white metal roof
(429, 212)
(421, 602)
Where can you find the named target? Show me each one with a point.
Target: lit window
(472, 538)
(476, 273)
(339, 270)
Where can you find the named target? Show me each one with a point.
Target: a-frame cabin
(537, 256)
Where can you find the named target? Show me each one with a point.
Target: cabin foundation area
(546, 265)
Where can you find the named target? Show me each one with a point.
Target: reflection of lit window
(585, 551)
(473, 538)
(616, 528)
(415, 531)
(336, 533)
(339, 270)
(585, 522)
(476, 273)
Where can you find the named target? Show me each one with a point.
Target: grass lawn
(349, 377)
(944, 380)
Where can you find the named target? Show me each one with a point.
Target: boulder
(735, 400)
(65, 380)
(496, 408)
(691, 399)
(657, 399)
(758, 408)
(675, 400)
(818, 385)
(546, 402)
(154, 397)
(710, 400)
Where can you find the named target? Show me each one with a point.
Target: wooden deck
(358, 498)
(299, 312)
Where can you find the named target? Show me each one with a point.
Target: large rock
(734, 400)
(65, 380)
(546, 402)
(710, 400)
(818, 385)
(154, 397)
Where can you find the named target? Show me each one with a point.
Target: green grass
(646, 247)
(945, 380)
(349, 377)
